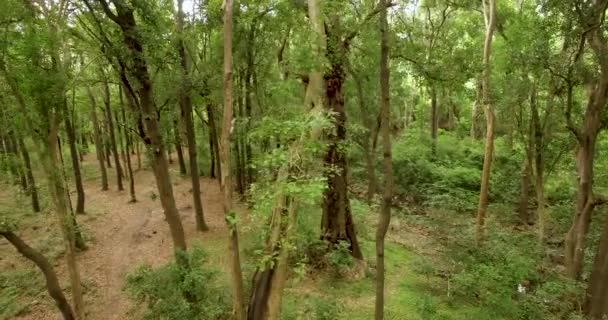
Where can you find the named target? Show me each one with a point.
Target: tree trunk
(539, 166)
(337, 222)
(52, 283)
(226, 181)
(477, 113)
(64, 219)
(99, 146)
(490, 12)
(109, 118)
(387, 193)
(369, 155)
(596, 297)
(127, 146)
(178, 148)
(213, 137)
(151, 133)
(75, 164)
(434, 119)
(32, 189)
(587, 137)
(186, 111)
(524, 189)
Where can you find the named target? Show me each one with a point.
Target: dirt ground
(125, 236)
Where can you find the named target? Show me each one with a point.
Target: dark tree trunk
(151, 135)
(75, 164)
(367, 139)
(596, 297)
(434, 118)
(187, 117)
(52, 283)
(99, 146)
(178, 148)
(32, 189)
(113, 144)
(337, 222)
(213, 160)
(127, 146)
(213, 136)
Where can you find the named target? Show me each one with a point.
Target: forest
(303, 159)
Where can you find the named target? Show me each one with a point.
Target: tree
(99, 149)
(185, 103)
(143, 98)
(110, 126)
(226, 181)
(52, 283)
(490, 22)
(387, 193)
(591, 18)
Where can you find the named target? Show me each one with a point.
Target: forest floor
(123, 235)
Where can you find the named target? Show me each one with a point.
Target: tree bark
(596, 298)
(99, 146)
(387, 193)
(587, 138)
(127, 146)
(52, 283)
(490, 11)
(214, 138)
(367, 122)
(187, 117)
(109, 119)
(124, 17)
(75, 164)
(32, 189)
(539, 166)
(177, 142)
(434, 118)
(226, 182)
(337, 223)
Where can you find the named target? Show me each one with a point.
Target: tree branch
(367, 18)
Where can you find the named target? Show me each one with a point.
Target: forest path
(127, 235)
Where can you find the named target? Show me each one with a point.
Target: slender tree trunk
(434, 118)
(490, 12)
(226, 182)
(109, 118)
(596, 297)
(52, 283)
(524, 189)
(33, 190)
(178, 148)
(78, 239)
(64, 219)
(124, 17)
(477, 113)
(99, 146)
(539, 166)
(19, 165)
(213, 136)
(367, 122)
(213, 157)
(187, 117)
(127, 145)
(587, 138)
(387, 193)
(75, 164)
(121, 142)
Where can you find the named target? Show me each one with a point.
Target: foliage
(176, 292)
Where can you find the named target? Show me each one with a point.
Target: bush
(176, 292)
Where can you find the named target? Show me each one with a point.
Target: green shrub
(176, 292)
